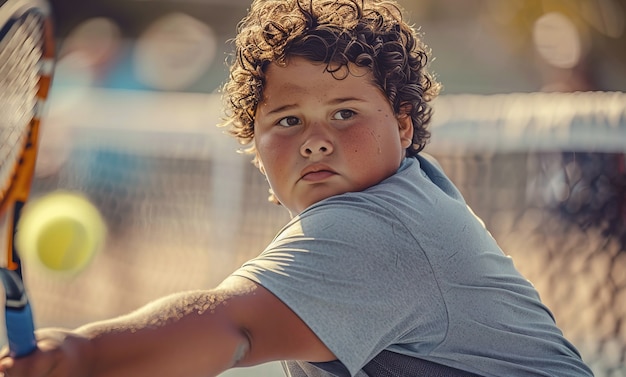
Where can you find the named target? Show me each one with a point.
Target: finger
(6, 363)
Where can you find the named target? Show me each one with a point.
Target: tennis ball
(60, 231)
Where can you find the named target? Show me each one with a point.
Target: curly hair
(368, 33)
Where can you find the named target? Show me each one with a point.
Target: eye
(343, 114)
(289, 121)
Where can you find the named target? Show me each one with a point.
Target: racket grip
(20, 331)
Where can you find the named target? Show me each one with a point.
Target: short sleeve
(354, 274)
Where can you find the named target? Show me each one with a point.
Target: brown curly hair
(368, 33)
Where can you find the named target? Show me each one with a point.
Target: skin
(316, 136)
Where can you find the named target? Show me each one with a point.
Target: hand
(60, 353)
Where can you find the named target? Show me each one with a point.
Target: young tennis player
(383, 269)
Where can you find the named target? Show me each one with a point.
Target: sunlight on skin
(172, 309)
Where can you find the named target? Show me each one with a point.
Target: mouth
(316, 173)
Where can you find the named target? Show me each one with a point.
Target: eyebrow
(280, 109)
(334, 101)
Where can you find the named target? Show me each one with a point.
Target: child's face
(317, 136)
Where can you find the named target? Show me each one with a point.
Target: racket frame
(18, 313)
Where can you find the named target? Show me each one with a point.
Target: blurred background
(531, 126)
(480, 46)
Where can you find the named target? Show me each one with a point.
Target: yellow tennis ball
(61, 231)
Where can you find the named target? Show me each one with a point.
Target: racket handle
(20, 331)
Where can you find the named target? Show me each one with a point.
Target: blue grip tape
(20, 331)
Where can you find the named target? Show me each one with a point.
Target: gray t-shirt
(406, 266)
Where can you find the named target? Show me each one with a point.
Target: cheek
(375, 153)
(373, 142)
(271, 153)
(264, 147)
(361, 148)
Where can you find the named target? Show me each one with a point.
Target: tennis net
(545, 171)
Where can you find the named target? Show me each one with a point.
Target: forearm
(188, 334)
(198, 333)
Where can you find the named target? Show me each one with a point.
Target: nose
(316, 145)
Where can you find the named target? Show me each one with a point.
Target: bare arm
(200, 333)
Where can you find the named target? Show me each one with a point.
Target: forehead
(305, 76)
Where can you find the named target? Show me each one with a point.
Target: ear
(405, 124)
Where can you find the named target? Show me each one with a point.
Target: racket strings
(20, 56)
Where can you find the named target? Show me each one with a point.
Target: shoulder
(352, 215)
(345, 222)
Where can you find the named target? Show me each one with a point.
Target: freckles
(376, 137)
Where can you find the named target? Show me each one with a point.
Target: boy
(382, 271)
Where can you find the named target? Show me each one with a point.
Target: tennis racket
(26, 65)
